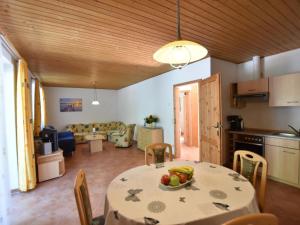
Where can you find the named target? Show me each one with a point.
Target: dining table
(215, 195)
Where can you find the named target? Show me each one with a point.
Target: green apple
(174, 180)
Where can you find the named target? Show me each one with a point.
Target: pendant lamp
(95, 100)
(180, 53)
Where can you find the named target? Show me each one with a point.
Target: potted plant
(150, 121)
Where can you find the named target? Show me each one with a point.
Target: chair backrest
(254, 219)
(249, 164)
(82, 199)
(158, 152)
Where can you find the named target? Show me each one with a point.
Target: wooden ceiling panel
(75, 43)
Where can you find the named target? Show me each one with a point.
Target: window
(32, 89)
(42, 108)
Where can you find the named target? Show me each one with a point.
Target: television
(49, 134)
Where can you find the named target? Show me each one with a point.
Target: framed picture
(70, 104)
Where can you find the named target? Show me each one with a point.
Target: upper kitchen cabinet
(284, 90)
(253, 87)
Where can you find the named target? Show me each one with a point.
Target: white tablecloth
(198, 204)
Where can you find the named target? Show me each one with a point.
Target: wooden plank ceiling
(111, 42)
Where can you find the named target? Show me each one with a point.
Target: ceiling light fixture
(95, 101)
(180, 53)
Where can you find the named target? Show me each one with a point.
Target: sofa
(81, 130)
(66, 142)
(123, 138)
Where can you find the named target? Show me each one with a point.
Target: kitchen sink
(285, 134)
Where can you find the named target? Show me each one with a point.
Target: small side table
(95, 142)
(50, 166)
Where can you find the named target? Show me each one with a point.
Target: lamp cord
(178, 20)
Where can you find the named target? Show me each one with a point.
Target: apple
(174, 180)
(182, 178)
(165, 179)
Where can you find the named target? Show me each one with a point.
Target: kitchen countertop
(265, 133)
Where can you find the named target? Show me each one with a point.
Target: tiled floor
(189, 153)
(53, 203)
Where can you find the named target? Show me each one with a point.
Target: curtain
(37, 109)
(4, 181)
(26, 157)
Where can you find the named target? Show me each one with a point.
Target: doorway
(186, 99)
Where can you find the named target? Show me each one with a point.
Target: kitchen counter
(265, 133)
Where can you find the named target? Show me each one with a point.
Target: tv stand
(50, 166)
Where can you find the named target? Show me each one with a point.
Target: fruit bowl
(179, 186)
(178, 177)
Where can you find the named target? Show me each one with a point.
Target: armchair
(66, 142)
(124, 138)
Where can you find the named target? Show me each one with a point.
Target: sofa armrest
(65, 134)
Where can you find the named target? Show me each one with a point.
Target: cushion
(248, 168)
(159, 155)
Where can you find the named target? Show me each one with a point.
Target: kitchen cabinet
(253, 87)
(283, 161)
(284, 90)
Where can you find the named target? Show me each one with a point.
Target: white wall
(105, 112)
(259, 114)
(228, 73)
(155, 96)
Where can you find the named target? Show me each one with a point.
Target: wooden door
(210, 120)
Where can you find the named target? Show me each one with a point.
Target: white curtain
(4, 181)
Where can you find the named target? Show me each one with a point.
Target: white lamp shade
(180, 52)
(95, 102)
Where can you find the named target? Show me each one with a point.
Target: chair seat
(98, 220)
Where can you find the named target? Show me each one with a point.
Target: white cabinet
(253, 87)
(283, 163)
(284, 90)
(283, 160)
(147, 136)
(50, 166)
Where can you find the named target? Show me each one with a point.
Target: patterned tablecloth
(217, 194)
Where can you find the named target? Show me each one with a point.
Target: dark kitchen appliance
(236, 122)
(248, 142)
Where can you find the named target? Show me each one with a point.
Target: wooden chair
(249, 163)
(158, 152)
(254, 219)
(83, 202)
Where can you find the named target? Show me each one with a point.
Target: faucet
(297, 132)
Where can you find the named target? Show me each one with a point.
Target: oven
(253, 143)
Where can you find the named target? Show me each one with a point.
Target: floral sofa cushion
(80, 130)
(125, 137)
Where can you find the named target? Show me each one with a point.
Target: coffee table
(95, 142)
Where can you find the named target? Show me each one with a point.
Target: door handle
(217, 126)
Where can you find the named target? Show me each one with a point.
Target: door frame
(175, 86)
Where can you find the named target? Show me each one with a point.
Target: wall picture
(70, 104)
